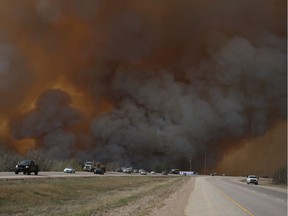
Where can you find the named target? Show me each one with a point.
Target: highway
(12, 175)
(217, 195)
(209, 196)
(51, 174)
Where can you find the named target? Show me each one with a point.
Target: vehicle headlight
(27, 167)
(16, 166)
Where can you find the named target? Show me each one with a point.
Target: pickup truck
(88, 166)
(252, 179)
(27, 167)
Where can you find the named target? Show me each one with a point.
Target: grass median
(85, 195)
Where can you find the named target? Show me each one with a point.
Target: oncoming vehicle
(143, 173)
(27, 167)
(174, 171)
(100, 170)
(252, 179)
(88, 166)
(165, 172)
(69, 170)
(128, 170)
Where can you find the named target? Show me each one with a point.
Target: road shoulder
(176, 203)
(207, 200)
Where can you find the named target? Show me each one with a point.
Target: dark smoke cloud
(50, 124)
(153, 82)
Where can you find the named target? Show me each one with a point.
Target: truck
(99, 168)
(95, 167)
(27, 167)
(89, 166)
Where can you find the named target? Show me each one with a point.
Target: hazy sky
(143, 82)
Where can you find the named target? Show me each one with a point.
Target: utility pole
(190, 165)
(205, 164)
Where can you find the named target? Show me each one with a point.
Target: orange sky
(147, 77)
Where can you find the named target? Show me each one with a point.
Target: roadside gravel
(165, 202)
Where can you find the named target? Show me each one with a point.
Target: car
(69, 170)
(165, 172)
(252, 179)
(143, 173)
(119, 170)
(127, 170)
(174, 171)
(100, 170)
(27, 167)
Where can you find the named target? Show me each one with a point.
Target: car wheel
(24, 172)
(16, 172)
(36, 173)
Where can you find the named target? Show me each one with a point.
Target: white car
(252, 179)
(127, 170)
(143, 172)
(69, 170)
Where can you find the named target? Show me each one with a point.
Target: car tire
(36, 172)
(16, 172)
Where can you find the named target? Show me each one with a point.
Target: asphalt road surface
(217, 195)
(12, 175)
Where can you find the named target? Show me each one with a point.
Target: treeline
(8, 161)
(280, 176)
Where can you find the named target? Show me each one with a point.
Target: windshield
(25, 162)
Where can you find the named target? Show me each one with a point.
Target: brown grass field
(121, 195)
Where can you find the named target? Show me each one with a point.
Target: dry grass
(269, 182)
(86, 196)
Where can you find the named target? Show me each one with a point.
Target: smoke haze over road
(142, 82)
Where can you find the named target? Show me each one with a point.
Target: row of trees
(9, 159)
(280, 176)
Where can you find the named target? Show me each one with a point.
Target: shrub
(280, 176)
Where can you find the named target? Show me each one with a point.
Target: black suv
(100, 170)
(27, 167)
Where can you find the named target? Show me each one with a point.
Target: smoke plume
(141, 82)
